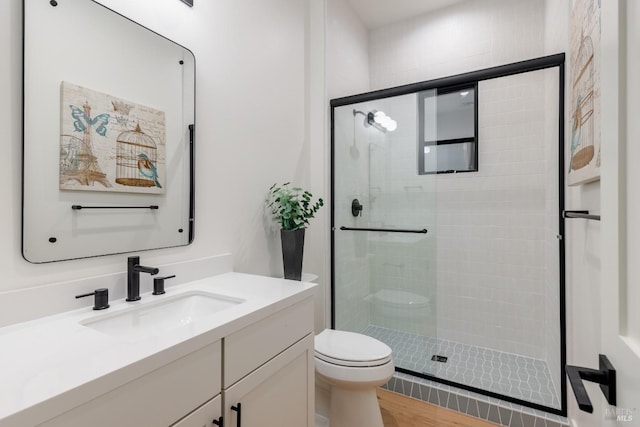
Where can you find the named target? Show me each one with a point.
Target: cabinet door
(204, 416)
(278, 394)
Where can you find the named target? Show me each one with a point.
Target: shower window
(447, 130)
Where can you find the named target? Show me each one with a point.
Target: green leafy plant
(292, 207)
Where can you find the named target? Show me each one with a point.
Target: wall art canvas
(584, 108)
(110, 144)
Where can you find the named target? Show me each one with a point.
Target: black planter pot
(292, 249)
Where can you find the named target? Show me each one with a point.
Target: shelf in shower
(387, 230)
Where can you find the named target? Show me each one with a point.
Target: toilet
(349, 367)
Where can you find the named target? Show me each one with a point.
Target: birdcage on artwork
(136, 159)
(582, 132)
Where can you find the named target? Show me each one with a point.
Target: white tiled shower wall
(491, 226)
(501, 303)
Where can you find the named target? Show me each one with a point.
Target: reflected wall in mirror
(109, 112)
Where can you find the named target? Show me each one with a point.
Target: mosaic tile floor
(504, 373)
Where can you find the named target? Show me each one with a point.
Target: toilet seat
(350, 349)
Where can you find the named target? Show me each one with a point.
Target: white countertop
(52, 364)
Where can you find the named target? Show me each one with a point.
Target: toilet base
(355, 408)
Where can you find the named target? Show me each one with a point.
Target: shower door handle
(605, 376)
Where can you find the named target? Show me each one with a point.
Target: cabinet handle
(238, 409)
(218, 422)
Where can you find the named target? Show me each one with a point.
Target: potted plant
(292, 208)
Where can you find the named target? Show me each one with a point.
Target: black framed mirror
(108, 134)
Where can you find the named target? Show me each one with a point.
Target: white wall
(466, 36)
(347, 51)
(251, 114)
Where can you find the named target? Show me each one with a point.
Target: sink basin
(155, 318)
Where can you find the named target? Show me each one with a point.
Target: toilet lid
(350, 349)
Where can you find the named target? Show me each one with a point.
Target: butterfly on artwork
(83, 122)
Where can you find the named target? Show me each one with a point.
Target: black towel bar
(80, 207)
(388, 230)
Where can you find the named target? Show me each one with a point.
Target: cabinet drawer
(159, 398)
(249, 348)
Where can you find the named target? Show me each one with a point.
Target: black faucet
(133, 277)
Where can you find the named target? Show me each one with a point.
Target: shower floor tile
(496, 371)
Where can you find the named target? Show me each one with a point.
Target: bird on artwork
(148, 169)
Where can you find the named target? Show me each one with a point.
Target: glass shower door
(384, 230)
(478, 300)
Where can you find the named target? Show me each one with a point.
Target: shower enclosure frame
(536, 64)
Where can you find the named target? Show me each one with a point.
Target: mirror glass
(108, 134)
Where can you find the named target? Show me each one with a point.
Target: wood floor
(401, 411)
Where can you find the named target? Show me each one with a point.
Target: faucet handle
(101, 300)
(158, 284)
